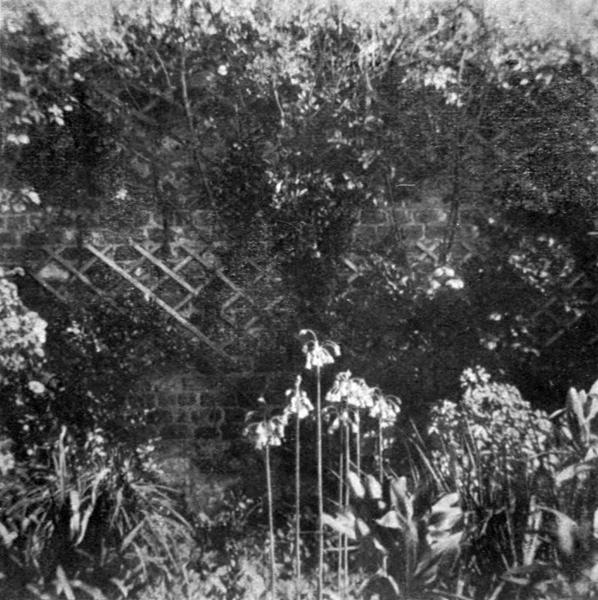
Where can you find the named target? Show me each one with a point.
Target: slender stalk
(341, 504)
(320, 484)
(347, 500)
(358, 442)
(297, 506)
(270, 524)
(380, 452)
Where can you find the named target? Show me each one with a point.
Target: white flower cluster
(444, 278)
(492, 431)
(350, 395)
(22, 332)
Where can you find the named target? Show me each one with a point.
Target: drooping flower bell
(318, 354)
(298, 402)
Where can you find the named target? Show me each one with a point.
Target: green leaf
(63, 584)
(391, 520)
(380, 587)
(131, 535)
(357, 488)
(400, 498)
(566, 530)
(575, 401)
(8, 537)
(373, 487)
(343, 524)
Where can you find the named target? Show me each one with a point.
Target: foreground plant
(264, 434)
(88, 520)
(318, 355)
(300, 406)
(567, 518)
(403, 550)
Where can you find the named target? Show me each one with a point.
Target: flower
(385, 408)
(267, 432)
(352, 390)
(317, 355)
(299, 404)
(36, 387)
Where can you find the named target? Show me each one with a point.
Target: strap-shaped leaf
(343, 523)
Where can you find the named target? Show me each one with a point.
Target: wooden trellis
(179, 283)
(175, 283)
(555, 317)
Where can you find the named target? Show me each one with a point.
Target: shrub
(92, 519)
(78, 511)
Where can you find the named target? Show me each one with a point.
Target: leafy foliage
(82, 511)
(87, 519)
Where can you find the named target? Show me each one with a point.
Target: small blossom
(316, 354)
(299, 404)
(37, 387)
(268, 432)
(385, 408)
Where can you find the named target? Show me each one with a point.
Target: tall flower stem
(341, 504)
(358, 442)
(380, 452)
(270, 525)
(297, 507)
(347, 500)
(320, 483)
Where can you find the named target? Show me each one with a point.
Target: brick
(33, 255)
(180, 218)
(382, 232)
(125, 252)
(113, 237)
(36, 220)
(413, 231)
(17, 222)
(11, 256)
(160, 417)
(175, 431)
(8, 238)
(182, 417)
(35, 238)
(203, 218)
(188, 399)
(402, 215)
(374, 216)
(364, 233)
(430, 215)
(156, 234)
(142, 218)
(436, 230)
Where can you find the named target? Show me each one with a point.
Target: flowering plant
(318, 354)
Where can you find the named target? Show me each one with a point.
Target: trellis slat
(162, 267)
(148, 293)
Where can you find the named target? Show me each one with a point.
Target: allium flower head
(267, 432)
(385, 408)
(318, 354)
(299, 404)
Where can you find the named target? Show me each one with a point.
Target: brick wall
(191, 411)
(421, 214)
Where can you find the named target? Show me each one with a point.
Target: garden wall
(420, 218)
(420, 221)
(193, 414)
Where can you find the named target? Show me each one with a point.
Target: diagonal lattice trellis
(557, 315)
(191, 286)
(176, 283)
